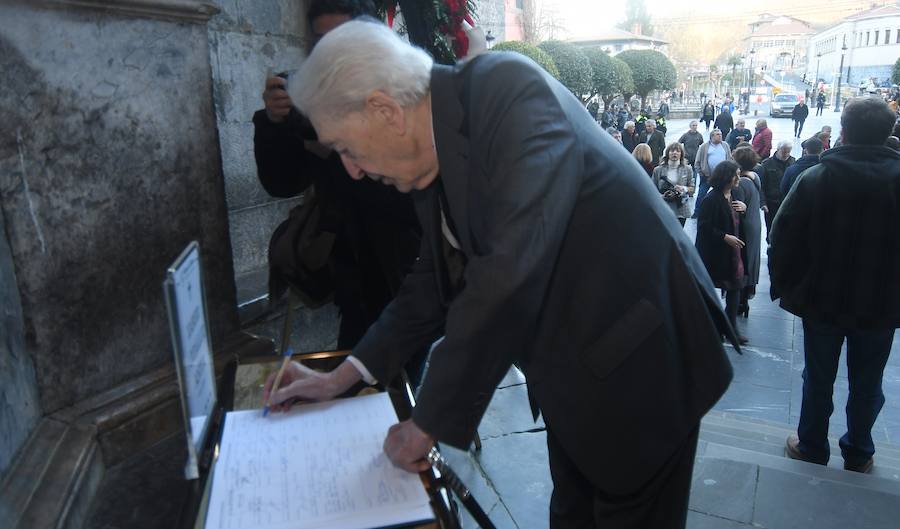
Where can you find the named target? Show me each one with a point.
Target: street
(782, 128)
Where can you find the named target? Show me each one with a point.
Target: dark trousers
(661, 504)
(732, 302)
(867, 354)
(770, 216)
(798, 127)
(819, 109)
(703, 188)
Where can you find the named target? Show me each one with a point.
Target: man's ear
(385, 109)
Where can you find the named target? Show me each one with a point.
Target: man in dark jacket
(654, 139)
(724, 122)
(630, 138)
(378, 234)
(812, 149)
(833, 258)
(738, 134)
(512, 176)
(772, 170)
(799, 115)
(820, 102)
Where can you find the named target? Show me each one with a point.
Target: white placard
(186, 305)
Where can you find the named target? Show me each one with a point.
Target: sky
(584, 17)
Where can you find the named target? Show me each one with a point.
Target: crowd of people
(684, 173)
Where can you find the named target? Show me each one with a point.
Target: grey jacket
(702, 163)
(685, 208)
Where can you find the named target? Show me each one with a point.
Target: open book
(316, 466)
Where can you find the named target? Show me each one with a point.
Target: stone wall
(19, 407)
(109, 166)
(248, 41)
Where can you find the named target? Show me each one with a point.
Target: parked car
(783, 104)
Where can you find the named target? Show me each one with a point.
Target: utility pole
(837, 94)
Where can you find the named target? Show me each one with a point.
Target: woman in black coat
(748, 193)
(719, 238)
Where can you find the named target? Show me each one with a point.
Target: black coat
(770, 175)
(725, 123)
(714, 221)
(800, 112)
(378, 235)
(835, 242)
(622, 355)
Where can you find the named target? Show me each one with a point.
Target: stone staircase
(743, 479)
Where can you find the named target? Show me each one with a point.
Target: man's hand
(303, 383)
(407, 445)
(278, 102)
(733, 241)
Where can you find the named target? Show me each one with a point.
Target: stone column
(109, 166)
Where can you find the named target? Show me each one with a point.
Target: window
(868, 37)
(859, 39)
(876, 38)
(898, 36)
(887, 36)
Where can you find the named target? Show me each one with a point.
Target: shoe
(863, 468)
(792, 450)
(743, 340)
(744, 310)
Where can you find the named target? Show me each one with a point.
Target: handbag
(300, 250)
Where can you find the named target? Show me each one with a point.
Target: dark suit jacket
(576, 270)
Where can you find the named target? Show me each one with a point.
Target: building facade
(869, 43)
(778, 43)
(615, 41)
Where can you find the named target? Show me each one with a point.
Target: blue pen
(284, 364)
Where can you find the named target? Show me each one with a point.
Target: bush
(574, 66)
(609, 76)
(650, 69)
(532, 52)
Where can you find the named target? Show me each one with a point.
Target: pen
(284, 363)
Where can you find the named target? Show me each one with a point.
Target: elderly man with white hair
(771, 173)
(542, 245)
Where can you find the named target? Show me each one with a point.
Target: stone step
(767, 438)
(53, 480)
(734, 487)
(777, 432)
(837, 475)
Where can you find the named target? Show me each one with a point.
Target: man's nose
(353, 170)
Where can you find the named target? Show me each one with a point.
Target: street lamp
(816, 82)
(749, 79)
(837, 93)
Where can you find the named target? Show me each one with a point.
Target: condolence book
(317, 466)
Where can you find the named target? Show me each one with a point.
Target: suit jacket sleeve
(527, 173)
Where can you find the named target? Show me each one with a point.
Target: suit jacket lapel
(452, 146)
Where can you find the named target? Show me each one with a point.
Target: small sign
(186, 305)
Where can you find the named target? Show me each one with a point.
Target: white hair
(628, 125)
(785, 143)
(354, 60)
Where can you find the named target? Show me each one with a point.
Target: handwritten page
(316, 466)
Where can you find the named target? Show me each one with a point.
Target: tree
(651, 70)
(609, 76)
(636, 14)
(532, 52)
(895, 76)
(734, 61)
(574, 67)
